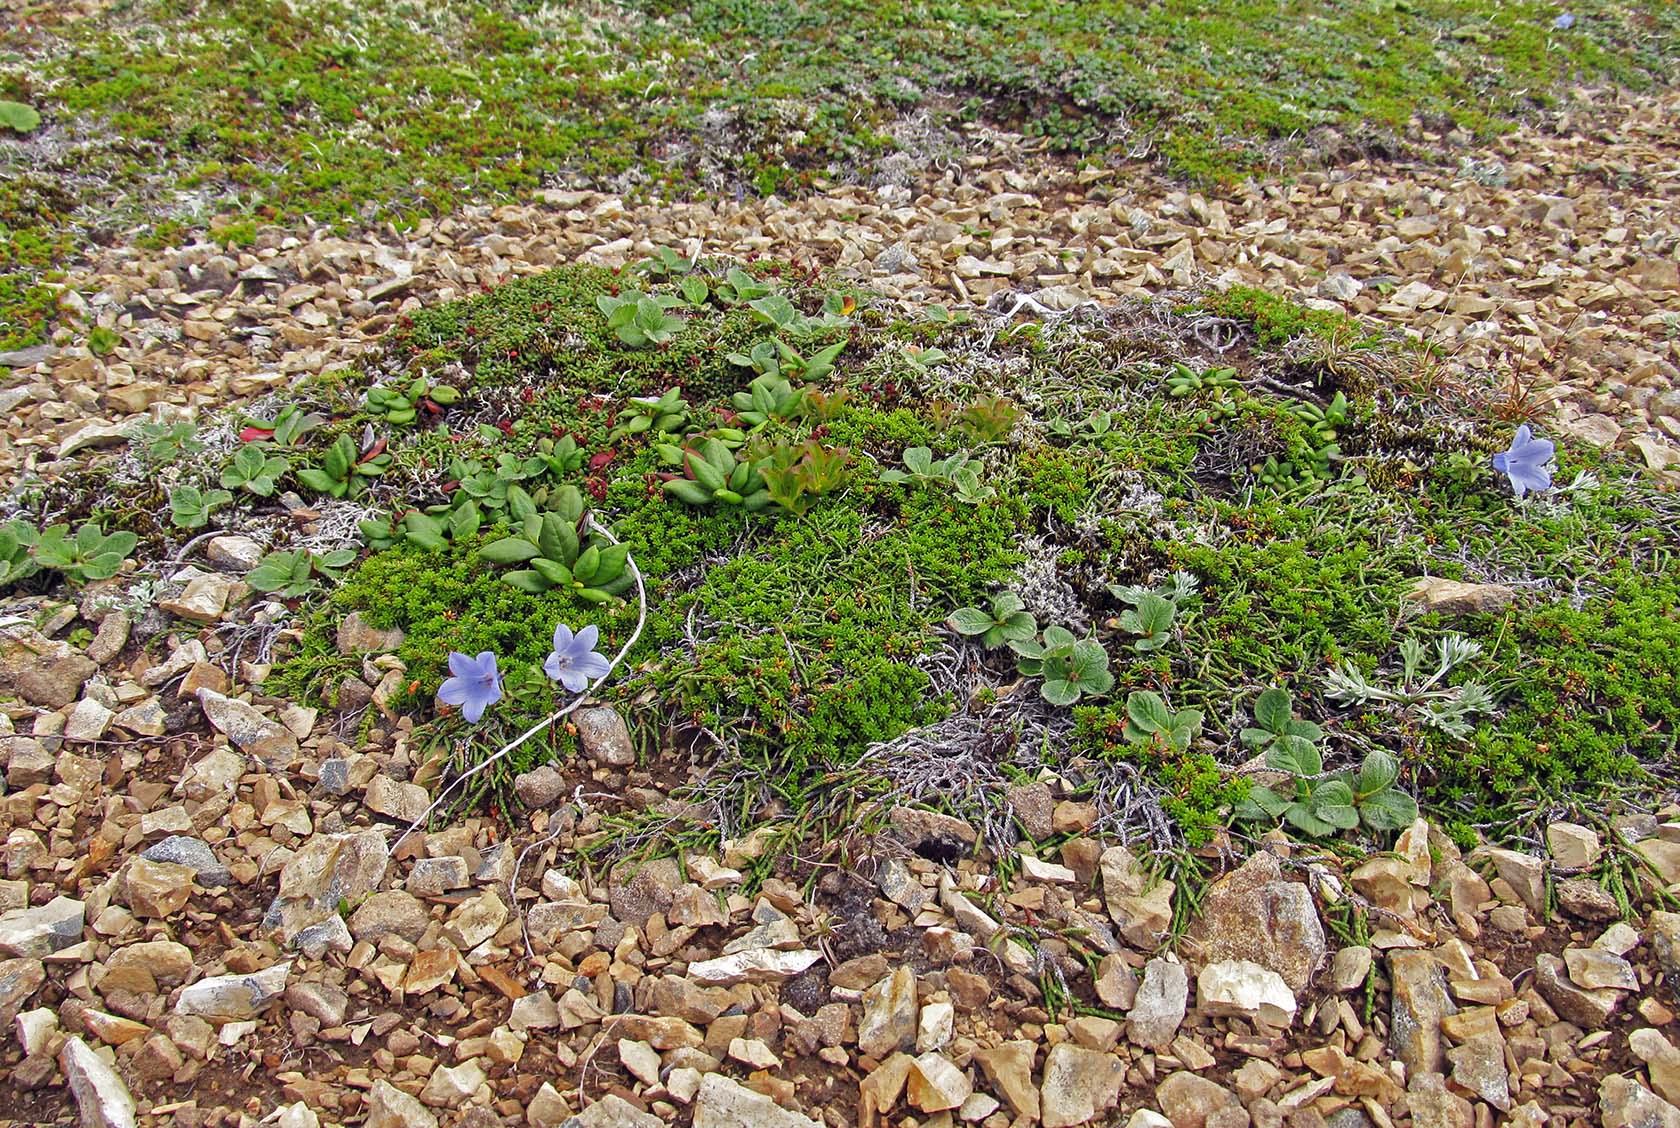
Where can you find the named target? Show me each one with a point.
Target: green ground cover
(1282, 499)
(182, 118)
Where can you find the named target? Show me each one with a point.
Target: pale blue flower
(1525, 462)
(1564, 22)
(574, 661)
(476, 686)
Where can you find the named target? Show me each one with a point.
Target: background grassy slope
(182, 116)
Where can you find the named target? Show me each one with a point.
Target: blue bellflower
(476, 686)
(1564, 22)
(1525, 462)
(574, 661)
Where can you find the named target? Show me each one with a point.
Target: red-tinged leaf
(254, 435)
(374, 451)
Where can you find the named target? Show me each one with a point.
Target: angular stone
(1240, 989)
(1478, 1067)
(390, 912)
(389, 1107)
(604, 736)
(1190, 1101)
(1588, 1009)
(329, 870)
(1161, 1002)
(1572, 846)
(41, 670)
(1253, 914)
(1623, 1103)
(19, 980)
(540, 787)
(1419, 1001)
(451, 1087)
(1592, 968)
(1433, 1105)
(1523, 872)
(1079, 1084)
(889, 1015)
(476, 920)
(249, 730)
(1453, 598)
(233, 996)
(1117, 983)
(613, 1111)
(40, 931)
(934, 1084)
(102, 1097)
(1009, 1067)
(637, 891)
(1665, 944)
(234, 553)
(723, 1103)
(157, 889)
(203, 600)
(396, 799)
(762, 965)
(1662, 1061)
(356, 636)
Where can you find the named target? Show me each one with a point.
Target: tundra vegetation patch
(1196, 566)
(178, 117)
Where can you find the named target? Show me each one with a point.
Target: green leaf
(519, 503)
(587, 562)
(1272, 711)
(1059, 692)
(272, 572)
(1057, 638)
(318, 480)
(1389, 810)
(553, 571)
(1377, 773)
(1293, 755)
(919, 460)
(1269, 801)
(684, 490)
(1148, 711)
(18, 117)
(1018, 625)
(508, 550)
(970, 621)
(612, 564)
(527, 582)
(1303, 819)
(701, 469)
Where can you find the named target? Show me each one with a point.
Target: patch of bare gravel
(1551, 256)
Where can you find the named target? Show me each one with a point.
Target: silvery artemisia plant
(1425, 699)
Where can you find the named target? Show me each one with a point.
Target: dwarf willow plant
(1006, 621)
(1316, 802)
(1071, 667)
(292, 574)
(255, 471)
(665, 414)
(959, 471)
(639, 319)
(345, 467)
(1153, 610)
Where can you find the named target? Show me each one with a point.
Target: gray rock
(540, 787)
(1161, 1002)
(1032, 805)
(889, 1018)
(1419, 1001)
(1623, 1103)
(605, 737)
(356, 636)
(396, 799)
(638, 890)
(1189, 1100)
(1452, 598)
(1587, 1008)
(196, 855)
(1079, 1084)
(203, 600)
(41, 670)
(101, 1096)
(233, 996)
(234, 554)
(1009, 1068)
(723, 1103)
(393, 912)
(27, 357)
(1238, 988)
(390, 1107)
(1665, 944)
(1433, 1105)
(1586, 899)
(1253, 914)
(19, 980)
(27, 761)
(111, 637)
(328, 870)
(613, 1111)
(1478, 1067)
(433, 877)
(40, 931)
(249, 730)
(329, 935)
(1524, 872)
